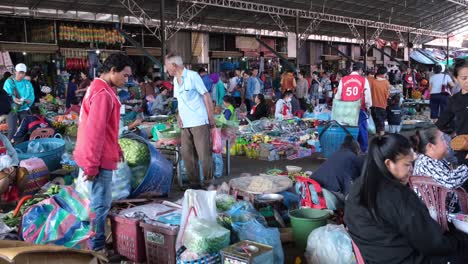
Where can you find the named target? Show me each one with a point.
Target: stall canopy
(390, 20)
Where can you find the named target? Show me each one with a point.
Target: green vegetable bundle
(135, 153)
(205, 237)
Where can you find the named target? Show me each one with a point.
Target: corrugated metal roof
(440, 15)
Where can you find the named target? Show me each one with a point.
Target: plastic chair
(434, 196)
(42, 133)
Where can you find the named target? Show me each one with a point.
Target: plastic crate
(160, 242)
(332, 136)
(127, 238)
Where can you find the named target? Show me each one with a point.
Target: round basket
(54, 149)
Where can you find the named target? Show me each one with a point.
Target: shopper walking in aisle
(409, 83)
(235, 87)
(302, 90)
(84, 85)
(288, 82)
(97, 150)
(22, 94)
(440, 85)
(380, 91)
(254, 87)
(315, 89)
(356, 87)
(206, 79)
(195, 118)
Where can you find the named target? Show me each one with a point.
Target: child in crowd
(394, 114)
(229, 112)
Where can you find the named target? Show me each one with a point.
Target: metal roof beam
(291, 12)
(280, 23)
(309, 30)
(459, 2)
(143, 17)
(176, 25)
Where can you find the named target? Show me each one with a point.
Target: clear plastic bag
(121, 182)
(205, 237)
(35, 147)
(330, 244)
(255, 231)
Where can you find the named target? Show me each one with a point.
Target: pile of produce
(204, 237)
(135, 153)
(137, 156)
(13, 218)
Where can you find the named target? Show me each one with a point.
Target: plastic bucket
(304, 221)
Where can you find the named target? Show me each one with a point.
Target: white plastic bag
(330, 244)
(371, 125)
(82, 186)
(196, 203)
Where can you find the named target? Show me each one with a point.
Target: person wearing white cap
(22, 94)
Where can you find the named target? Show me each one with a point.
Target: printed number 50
(352, 91)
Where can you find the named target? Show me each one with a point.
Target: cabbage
(135, 153)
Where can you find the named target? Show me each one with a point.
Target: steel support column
(163, 38)
(448, 52)
(297, 41)
(365, 48)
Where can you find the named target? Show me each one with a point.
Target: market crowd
(384, 216)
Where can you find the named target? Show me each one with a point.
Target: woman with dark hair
(283, 107)
(431, 162)
(71, 91)
(455, 116)
(260, 109)
(439, 98)
(341, 168)
(386, 218)
(83, 87)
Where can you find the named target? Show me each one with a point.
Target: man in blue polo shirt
(195, 118)
(22, 94)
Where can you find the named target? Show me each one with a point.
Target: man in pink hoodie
(97, 149)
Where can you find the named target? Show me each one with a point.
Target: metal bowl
(269, 197)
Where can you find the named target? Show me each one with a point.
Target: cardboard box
(21, 252)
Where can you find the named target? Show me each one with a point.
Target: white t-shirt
(232, 84)
(437, 80)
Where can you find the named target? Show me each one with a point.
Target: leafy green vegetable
(205, 237)
(135, 153)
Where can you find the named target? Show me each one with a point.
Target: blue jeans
(101, 200)
(363, 136)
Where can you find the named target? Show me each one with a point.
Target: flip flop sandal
(459, 143)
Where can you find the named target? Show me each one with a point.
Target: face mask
(288, 100)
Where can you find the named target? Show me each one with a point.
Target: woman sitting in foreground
(431, 162)
(386, 218)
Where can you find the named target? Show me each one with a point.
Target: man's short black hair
(118, 61)
(358, 66)
(201, 70)
(7, 75)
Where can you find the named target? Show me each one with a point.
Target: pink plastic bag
(217, 141)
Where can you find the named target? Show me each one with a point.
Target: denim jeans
(13, 118)
(101, 200)
(363, 135)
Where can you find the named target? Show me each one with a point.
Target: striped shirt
(440, 171)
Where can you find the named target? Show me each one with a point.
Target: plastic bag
(35, 147)
(64, 219)
(224, 202)
(346, 113)
(205, 237)
(371, 125)
(330, 244)
(216, 140)
(121, 182)
(243, 211)
(256, 232)
(197, 203)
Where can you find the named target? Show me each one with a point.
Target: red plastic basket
(160, 240)
(127, 238)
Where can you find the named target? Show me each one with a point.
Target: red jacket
(97, 145)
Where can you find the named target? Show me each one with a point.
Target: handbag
(445, 90)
